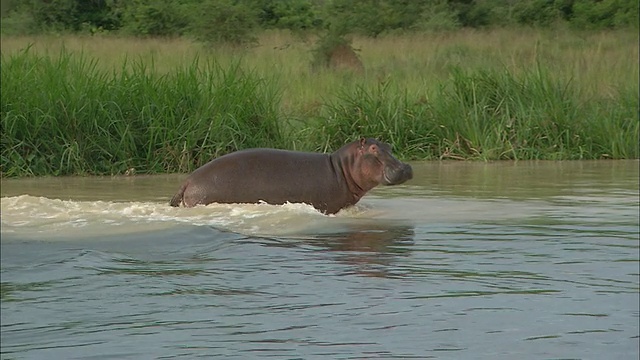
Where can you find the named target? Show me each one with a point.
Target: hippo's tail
(176, 200)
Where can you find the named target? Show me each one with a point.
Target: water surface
(531, 260)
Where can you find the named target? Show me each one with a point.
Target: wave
(41, 217)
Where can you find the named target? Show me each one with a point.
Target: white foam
(35, 217)
(43, 217)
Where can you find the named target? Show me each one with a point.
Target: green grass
(63, 115)
(489, 115)
(76, 105)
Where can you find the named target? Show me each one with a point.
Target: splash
(45, 218)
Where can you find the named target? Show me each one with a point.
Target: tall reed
(488, 115)
(82, 110)
(63, 115)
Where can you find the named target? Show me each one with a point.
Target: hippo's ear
(363, 141)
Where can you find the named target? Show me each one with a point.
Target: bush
(324, 48)
(293, 15)
(604, 14)
(373, 17)
(537, 12)
(19, 22)
(73, 15)
(223, 21)
(153, 17)
(437, 17)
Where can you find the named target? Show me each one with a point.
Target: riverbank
(105, 105)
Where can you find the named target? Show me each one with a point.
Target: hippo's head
(377, 165)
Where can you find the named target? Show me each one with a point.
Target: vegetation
(233, 20)
(65, 116)
(109, 86)
(104, 105)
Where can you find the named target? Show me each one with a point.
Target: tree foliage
(237, 20)
(293, 15)
(152, 17)
(223, 21)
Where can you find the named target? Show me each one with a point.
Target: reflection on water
(370, 249)
(468, 260)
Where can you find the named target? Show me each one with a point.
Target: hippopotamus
(328, 182)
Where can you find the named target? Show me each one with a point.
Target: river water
(526, 260)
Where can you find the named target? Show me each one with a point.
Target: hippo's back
(270, 175)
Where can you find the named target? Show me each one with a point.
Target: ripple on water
(530, 270)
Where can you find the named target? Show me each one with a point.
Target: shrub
(293, 15)
(437, 17)
(537, 12)
(605, 14)
(333, 51)
(153, 18)
(223, 21)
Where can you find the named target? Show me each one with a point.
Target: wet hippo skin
(328, 182)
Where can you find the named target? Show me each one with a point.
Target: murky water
(467, 261)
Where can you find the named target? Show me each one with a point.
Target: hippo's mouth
(395, 176)
(386, 179)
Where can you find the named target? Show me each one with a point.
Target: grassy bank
(74, 105)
